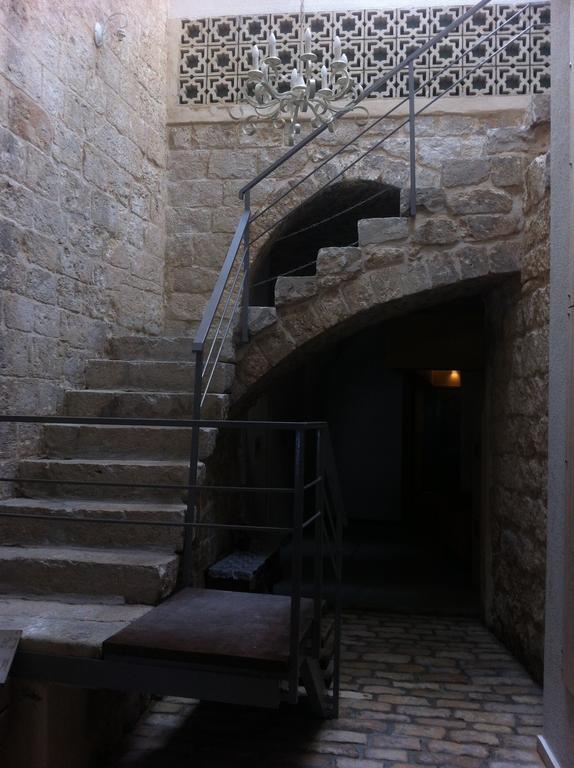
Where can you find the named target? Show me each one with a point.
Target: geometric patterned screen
(215, 53)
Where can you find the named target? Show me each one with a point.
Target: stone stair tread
(133, 557)
(108, 462)
(153, 375)
(67, 626)
(60, 521)
(109, 441)
(145, 393)
(137, 575)
(171, 348)
(71, 506)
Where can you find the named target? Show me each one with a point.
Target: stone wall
(517, 450)
(209, 163)
(82, 141)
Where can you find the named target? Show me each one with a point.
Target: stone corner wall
(82, 176)
(517, 451)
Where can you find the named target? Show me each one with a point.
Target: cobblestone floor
(416, 691)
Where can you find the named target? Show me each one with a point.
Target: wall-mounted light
(446, 379)
(101, 29)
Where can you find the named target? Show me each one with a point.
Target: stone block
(337, 264)
(375, 256)
(290, 290)
(480, 201)
(429, 199)
(508, 139)
(195, 194)
(463, 173)
(240, 164)
(377, 231)
(537, 181)
(472, 260)
(261, 318)
(437, 231)
(29, 121)
(489, 227)
(443, 268)
(508, 170)
(538, 112)
(504, 257)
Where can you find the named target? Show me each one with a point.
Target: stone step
(261, 318)
(137, 576)
(380, 231)
(73, 473)
(45, 531)
(67, 626)
(70, 441)
(162, 375)
(175, 348)
(291, 290)
(141, 405)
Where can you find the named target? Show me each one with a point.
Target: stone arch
(358, 287)
(294, 244)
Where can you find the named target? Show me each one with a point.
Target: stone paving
(416, 691)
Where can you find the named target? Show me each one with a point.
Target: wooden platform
(213, 627)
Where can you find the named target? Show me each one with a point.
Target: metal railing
(316, 505)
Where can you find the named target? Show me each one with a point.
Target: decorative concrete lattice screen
(215, 53)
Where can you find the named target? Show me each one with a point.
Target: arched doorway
(329, 218)
(404, 402)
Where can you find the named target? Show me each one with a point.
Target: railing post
(192, 492)
(413, 154)
(319, 534)
(297, 565)
(245, 297)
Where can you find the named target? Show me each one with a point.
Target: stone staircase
(132, 567)
(61, 580)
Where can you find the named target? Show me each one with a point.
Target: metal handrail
(219, 288)
(326, 522)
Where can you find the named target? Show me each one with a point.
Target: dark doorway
(294, 246)
(404, 403)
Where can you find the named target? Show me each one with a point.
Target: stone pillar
(557, 742)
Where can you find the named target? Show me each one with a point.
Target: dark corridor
(404, 403)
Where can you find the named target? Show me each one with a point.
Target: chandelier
(283, 100)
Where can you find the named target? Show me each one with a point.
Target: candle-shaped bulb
(337, 47)
(308, 40)
(265, 71)
(301, 80)
(324, 77)
(255, 57)
(344, 58)
(272, 46)
(294, 78)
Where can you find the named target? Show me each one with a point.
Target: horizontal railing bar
(366, 92)
(217, 293)
(178, 423)
(160, 523)
(368, 128)
(155, 486)
(311, 519)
